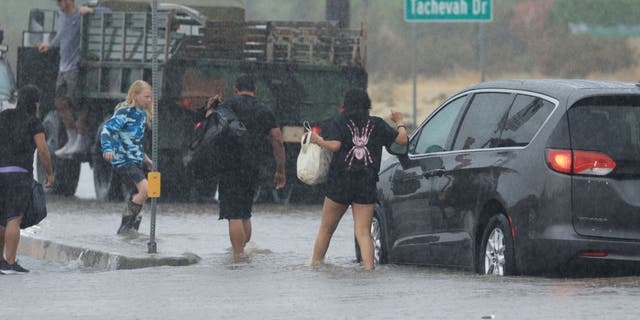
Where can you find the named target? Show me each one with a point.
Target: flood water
(276, 282)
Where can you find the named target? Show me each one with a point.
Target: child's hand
(108, 156)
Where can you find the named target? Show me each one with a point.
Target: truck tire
(66, 171)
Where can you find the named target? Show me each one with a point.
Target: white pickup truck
(7, 84)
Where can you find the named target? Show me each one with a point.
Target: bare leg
(332, 212)
(81, 122)
(362, 216)
(142, 195)
(12, 238)
(63, 105)
(246, 226)
(237, 236)
(1, 243)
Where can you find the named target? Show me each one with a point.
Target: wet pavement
(275, 282)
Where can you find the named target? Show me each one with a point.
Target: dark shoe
(6, 268)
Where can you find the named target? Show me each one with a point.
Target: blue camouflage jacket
(123, 135)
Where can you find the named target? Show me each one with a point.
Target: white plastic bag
(313, 161)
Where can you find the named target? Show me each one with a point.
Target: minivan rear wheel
(496, 256)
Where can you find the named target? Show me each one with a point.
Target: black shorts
(352, 187)
(236, 190)
(15, 194)
(130, 174)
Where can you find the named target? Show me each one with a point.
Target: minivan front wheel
(496, 256)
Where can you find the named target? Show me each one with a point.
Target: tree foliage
(597, 12)
(524, 36)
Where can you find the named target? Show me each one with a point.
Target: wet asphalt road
(277, 283)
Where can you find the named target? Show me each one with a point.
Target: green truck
(303, 70)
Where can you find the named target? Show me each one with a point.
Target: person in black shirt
(22, 134)
(237, 186)
(356, 138)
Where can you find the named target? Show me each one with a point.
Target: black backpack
(218, 142)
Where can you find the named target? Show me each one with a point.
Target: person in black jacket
(237, 185)
(22, 134)
(356, 138)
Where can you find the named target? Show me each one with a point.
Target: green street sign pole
(446, 11)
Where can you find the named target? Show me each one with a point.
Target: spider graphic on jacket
(360, 138)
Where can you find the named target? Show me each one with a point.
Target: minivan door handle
(434, 173)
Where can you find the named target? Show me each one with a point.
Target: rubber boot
(125, 225)
(129, 218)
(135, 209)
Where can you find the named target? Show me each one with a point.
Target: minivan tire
(498, 259)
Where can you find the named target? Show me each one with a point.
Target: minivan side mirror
(398, 149)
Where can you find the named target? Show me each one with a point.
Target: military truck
(302, 68)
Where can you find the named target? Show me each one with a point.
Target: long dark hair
(356, 103)
(28, 97)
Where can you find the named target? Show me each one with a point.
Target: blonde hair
(134, 90)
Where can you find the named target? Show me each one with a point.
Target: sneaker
(64, 151)
(6, 268)
(79, 146)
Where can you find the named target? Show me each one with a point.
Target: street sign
(448, 10)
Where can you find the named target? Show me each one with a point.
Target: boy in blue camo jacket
(122, 145)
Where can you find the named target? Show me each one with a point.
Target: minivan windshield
(609, 125)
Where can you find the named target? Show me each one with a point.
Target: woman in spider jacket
(356, 138)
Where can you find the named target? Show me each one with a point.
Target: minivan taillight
(580, 162)
(559, 160)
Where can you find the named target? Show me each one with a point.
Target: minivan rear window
(526, 116)
(609, 125)
(481, 125)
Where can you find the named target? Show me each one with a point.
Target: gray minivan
(517, 176)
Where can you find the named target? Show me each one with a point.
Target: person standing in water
(356, 138)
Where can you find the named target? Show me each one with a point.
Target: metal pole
(414, 39)
(152, 245)
(482, 46)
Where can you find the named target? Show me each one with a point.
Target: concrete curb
(57, 252)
